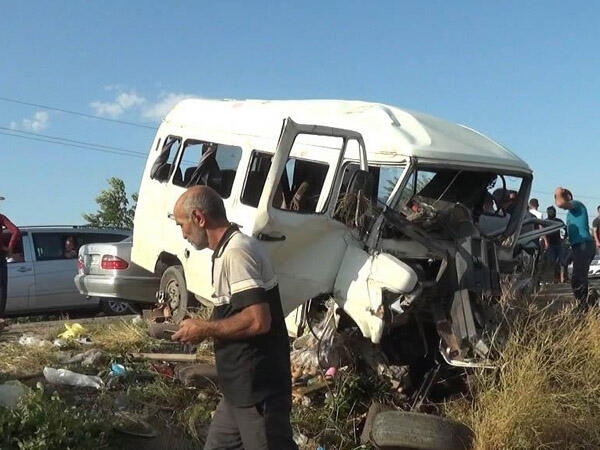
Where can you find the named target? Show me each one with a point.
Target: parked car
(105, 270)
(41, 270)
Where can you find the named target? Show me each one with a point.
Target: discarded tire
(173, 285)
(406, 430)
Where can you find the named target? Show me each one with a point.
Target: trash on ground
(172, 357)
(331, 373)
(117, 370)
(11, 392)
(73, 331)
(91, 357)
(165, 369)
(32, 341)
(129, 423)
(197, 375)
(58, 342)
(69, 378)
(86, 340)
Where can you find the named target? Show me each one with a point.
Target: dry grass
(120, 337)
(547, 392)
(18, 361)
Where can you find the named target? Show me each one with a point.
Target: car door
(21, 278)
(54, 273)
(305, 242)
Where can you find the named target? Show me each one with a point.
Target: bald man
(248, 328)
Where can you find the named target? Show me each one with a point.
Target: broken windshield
(490, 198)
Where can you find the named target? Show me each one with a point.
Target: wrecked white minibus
(397, 215)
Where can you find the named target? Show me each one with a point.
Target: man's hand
(191, 331)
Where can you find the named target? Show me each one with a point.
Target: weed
(43, 421)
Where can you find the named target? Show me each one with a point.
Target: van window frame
(154, 169)
(254, 152)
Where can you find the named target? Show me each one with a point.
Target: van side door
(295, 214)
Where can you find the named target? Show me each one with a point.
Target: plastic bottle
(64, 376)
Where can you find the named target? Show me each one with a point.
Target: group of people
(583, 243)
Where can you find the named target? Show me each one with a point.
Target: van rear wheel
(175, 293)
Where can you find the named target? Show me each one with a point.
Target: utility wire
(92, 147)
(76, 113)
(62, 139)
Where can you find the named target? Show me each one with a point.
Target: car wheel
(408, 430)
(114, 307)
(174, 290)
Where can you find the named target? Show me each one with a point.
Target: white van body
(366, 265)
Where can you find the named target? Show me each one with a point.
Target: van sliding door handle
(269, 238)
(24, 269)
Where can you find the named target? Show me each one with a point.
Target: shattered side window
(300, 186)
(164, 163)
(209, 164)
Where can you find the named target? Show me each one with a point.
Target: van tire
(408, 430)
(175, 293)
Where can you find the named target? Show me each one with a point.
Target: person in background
(70, 248)
(553, 247)
(6, 251)
(596, 227)
(582, 244)
(533, 208)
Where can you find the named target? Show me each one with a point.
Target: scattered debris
(73, 331)
(196, 375)
(117, 370)
(89, 358)
(169, 357)
(67, 377)
(33, 341)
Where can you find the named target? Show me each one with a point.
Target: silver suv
(41, 270)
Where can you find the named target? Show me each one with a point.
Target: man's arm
(15, 234)
(596, 230)
(251, 321)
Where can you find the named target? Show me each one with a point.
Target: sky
(526, 74)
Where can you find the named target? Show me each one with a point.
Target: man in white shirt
(533, 208)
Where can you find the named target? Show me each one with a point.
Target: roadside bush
(46, 422)
(546, 393)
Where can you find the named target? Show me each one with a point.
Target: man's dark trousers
(3, 284)
(265, 426)
(583, 254)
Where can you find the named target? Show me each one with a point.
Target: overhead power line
(76, 113)
(71, 141)
(81, 144)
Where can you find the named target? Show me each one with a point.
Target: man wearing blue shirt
(582, 243)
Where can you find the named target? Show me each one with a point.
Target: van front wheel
(175, 293)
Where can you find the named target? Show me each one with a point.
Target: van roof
(388, 131)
